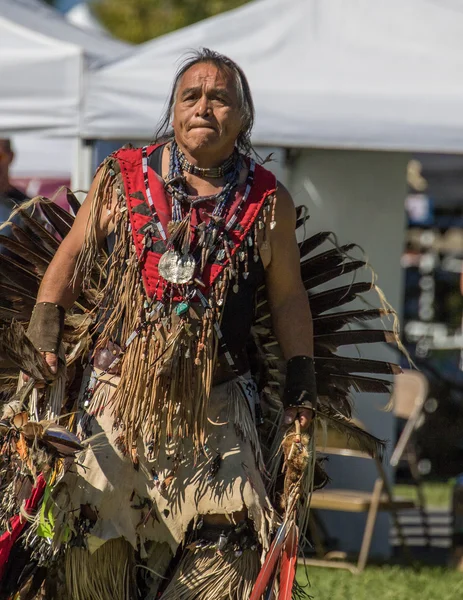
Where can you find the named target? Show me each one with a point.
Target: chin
(197, 142)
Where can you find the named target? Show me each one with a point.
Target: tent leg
(82, 167)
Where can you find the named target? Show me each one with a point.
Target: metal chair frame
(379, 499)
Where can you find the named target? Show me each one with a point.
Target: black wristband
(46, 326)
(300, 387)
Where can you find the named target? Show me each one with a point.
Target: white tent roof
(44, 157)
(43, 60)
(329, 73)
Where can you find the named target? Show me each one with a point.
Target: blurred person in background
(9, 195)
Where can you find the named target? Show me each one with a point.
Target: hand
(305, 416)
(52, 361)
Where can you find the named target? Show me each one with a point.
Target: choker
(213, 172)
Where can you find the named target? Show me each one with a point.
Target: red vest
(130, 161)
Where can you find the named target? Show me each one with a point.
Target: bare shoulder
(285, 209)
(96, 212)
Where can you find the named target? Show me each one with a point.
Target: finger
(52, 361)
(37, 385)
(290, 415)
(305, 417)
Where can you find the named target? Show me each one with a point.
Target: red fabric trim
(130, 161)
(17, 523)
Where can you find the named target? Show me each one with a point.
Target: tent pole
(82, 167)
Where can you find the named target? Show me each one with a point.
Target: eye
(220, 99)
(189, 96)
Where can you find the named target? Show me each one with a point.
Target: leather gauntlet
(46, 326)
(300, 387)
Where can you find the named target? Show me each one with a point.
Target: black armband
(46, 326)
(300, 386)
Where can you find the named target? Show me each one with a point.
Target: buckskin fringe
(208, 574)
(107, 574)
(159, 389)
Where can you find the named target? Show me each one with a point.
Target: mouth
(202, 127)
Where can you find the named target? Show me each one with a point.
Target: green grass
(383, 583)
(436, 494)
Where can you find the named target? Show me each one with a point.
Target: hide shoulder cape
(150, 402)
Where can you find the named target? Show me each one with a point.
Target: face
(206, 117)
(6, 158)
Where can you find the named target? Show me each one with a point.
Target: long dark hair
(204, 55)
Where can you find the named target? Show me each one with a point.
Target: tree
(137, 21)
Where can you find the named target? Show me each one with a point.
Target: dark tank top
(239, 307)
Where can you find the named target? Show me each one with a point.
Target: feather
(16, 346)
(17, 274)
(356, 438)
(288, 564)
(18, 311)
(31, 241)
(62, 440)
(344, 365)
(336, 321)
(321, 478)
(13, 294)
(323, 301)
(270, 593)
(55, 215)
(270, 562)
(336, 399)
(328, 275)
(358, 382)
(72, 201)
(301, 210)
(8, 313)
(51, 243)
(25, 253)
(63, 214)
(301, 222)
(320, 260)
(313, 242)
(355, 336)
(302, 216)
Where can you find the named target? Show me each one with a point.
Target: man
(9, 195)
(211, 109)
(175, 497)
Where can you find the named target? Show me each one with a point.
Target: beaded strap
(239, 208)
(158, 223)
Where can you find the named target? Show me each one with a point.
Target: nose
(203, 108)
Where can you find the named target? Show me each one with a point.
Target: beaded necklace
(160, 310)
(185, 270)
(179, 264)
(213, 172)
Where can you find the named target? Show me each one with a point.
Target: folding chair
(408, 398)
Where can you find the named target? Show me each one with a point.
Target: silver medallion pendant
(177, 268)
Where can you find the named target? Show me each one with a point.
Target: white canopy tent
(43, 61)
(326, 73)
(39, 91)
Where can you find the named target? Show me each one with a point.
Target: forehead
(210, 75)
